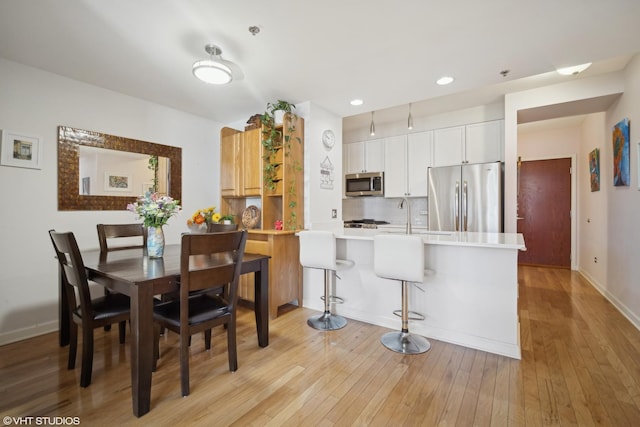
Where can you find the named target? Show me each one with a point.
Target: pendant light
(410, 119)
(212, 70)
(372, 126)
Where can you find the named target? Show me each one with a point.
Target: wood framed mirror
(119, 186)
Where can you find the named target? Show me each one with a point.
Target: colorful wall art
(594, 169)
(621, 153)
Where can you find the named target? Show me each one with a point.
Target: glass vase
(155, 242)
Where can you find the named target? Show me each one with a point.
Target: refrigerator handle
(465, 206)
(457, 206)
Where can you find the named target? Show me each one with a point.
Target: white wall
(319, 201)
(36, 103)
(592, 207)
(622, 284)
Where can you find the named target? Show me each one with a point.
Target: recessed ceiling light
(444, 80)
(572, 71)
(356, 102)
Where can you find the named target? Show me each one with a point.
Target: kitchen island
(469, 295)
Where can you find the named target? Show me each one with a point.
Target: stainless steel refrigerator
(466, 197)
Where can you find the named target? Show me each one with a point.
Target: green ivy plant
(273, 139)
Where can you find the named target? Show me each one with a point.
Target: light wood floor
(580, 366)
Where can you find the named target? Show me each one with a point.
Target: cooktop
(363, 223)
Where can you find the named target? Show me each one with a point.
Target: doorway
(544, 212)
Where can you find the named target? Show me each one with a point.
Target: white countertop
(491, 240)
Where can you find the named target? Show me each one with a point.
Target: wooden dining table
(133, 273)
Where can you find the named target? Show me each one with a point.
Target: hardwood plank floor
(580, 366)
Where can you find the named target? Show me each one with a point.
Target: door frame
(574, 201)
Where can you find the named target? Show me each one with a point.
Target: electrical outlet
(334, 213)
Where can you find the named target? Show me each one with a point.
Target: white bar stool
(318, 250)
(401, 257)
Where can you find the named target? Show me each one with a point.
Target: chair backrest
(74, 274)
(398, 257)
(210, 261)
(318, 249)
(115, 231)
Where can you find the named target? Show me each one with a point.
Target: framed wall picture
(620, 140)
(594, 169)
(19, 150)
(117, 182)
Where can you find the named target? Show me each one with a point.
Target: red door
(544, 212)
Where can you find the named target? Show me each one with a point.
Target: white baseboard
(29, 332)
(619, 305)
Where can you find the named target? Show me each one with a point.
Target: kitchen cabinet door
(407, 158)
(230, 162)
(251, 163)
(355, 158)
(448, 146)
(395, 175)
(419, 146)
(483, 142)
(365, 156)
(374, 155)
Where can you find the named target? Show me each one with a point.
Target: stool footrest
(412, 315)
(333, 299)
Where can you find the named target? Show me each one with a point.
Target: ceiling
(327, 52)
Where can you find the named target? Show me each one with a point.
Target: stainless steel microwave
(364, 184)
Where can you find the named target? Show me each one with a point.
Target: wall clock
(328, 139)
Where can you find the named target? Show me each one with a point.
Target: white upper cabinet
(484, 142)
(407, 158)
(448, 146)
(365, 156)
(475, 143)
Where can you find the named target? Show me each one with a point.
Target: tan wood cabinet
(243, 160)
(230, 162)
(285, 274)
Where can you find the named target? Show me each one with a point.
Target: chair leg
(156, 346)
(231, 345)
(73, 344)
(122, 330)
(87, 357)
(207, 339)
(184, 364)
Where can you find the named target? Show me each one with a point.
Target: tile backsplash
(385, 209)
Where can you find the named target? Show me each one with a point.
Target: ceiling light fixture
(410, 119)
(572, 71)
(372, 126)
(444, 80)
(212, 70)
(356, 102)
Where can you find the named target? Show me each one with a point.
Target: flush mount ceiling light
(212, 70)
(572, 71)
(372, 126)
(444, 80)
(356, 102)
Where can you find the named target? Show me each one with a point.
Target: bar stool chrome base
(405, 343)
(327, 322)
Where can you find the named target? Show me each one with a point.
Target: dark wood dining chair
(107, 232)
(89, 314)
(208, 262)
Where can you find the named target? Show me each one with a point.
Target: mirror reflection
(114, 170)
(105, 172)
